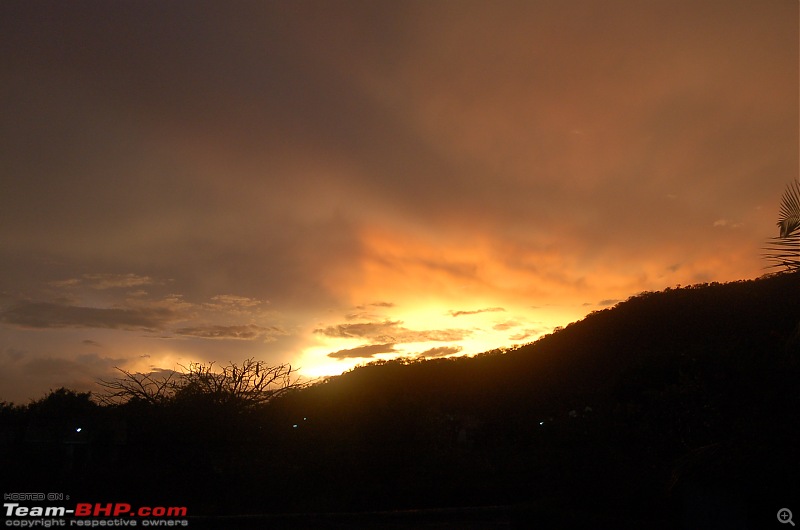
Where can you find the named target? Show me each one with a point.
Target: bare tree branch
(246, 385)
(154, 387)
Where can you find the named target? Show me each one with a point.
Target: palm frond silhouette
(784, 250)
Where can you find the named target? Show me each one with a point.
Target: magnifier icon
(785, 516)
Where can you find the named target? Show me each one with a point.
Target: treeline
(671, 408)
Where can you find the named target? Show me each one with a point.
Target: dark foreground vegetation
(677, 409)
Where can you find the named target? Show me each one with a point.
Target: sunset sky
(330, 183)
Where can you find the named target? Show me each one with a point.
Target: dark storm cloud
(476, 311)
(232, 302)
(397, 108)
(363, 351)
(608, 302)
(311, 155)
(374, 304)
(391, 331)
(364, 312)
(14, 354)
(268, 72)
(614, 108)
(442, 351)
(438, 335)
(98, 361)
(79, 373)
(103, 281)
(238, 101)
(81, 363)
(373, 330)
(49, 315)
(246, 332)
(528, 333)
(503, 326)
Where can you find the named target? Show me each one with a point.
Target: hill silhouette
(685, 389)
(672, 409)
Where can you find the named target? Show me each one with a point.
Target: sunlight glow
(430, 330)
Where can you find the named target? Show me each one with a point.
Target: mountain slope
(672, 409)
(668, 401)
(733, 323)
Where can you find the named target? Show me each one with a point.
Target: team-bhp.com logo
(93, 514)
(85, 509)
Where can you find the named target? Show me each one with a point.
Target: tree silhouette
(251, 383)
(154, 388)
(784, 250)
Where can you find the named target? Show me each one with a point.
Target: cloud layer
(49, 315)
(314, 183)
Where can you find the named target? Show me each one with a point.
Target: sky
(328, 184)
